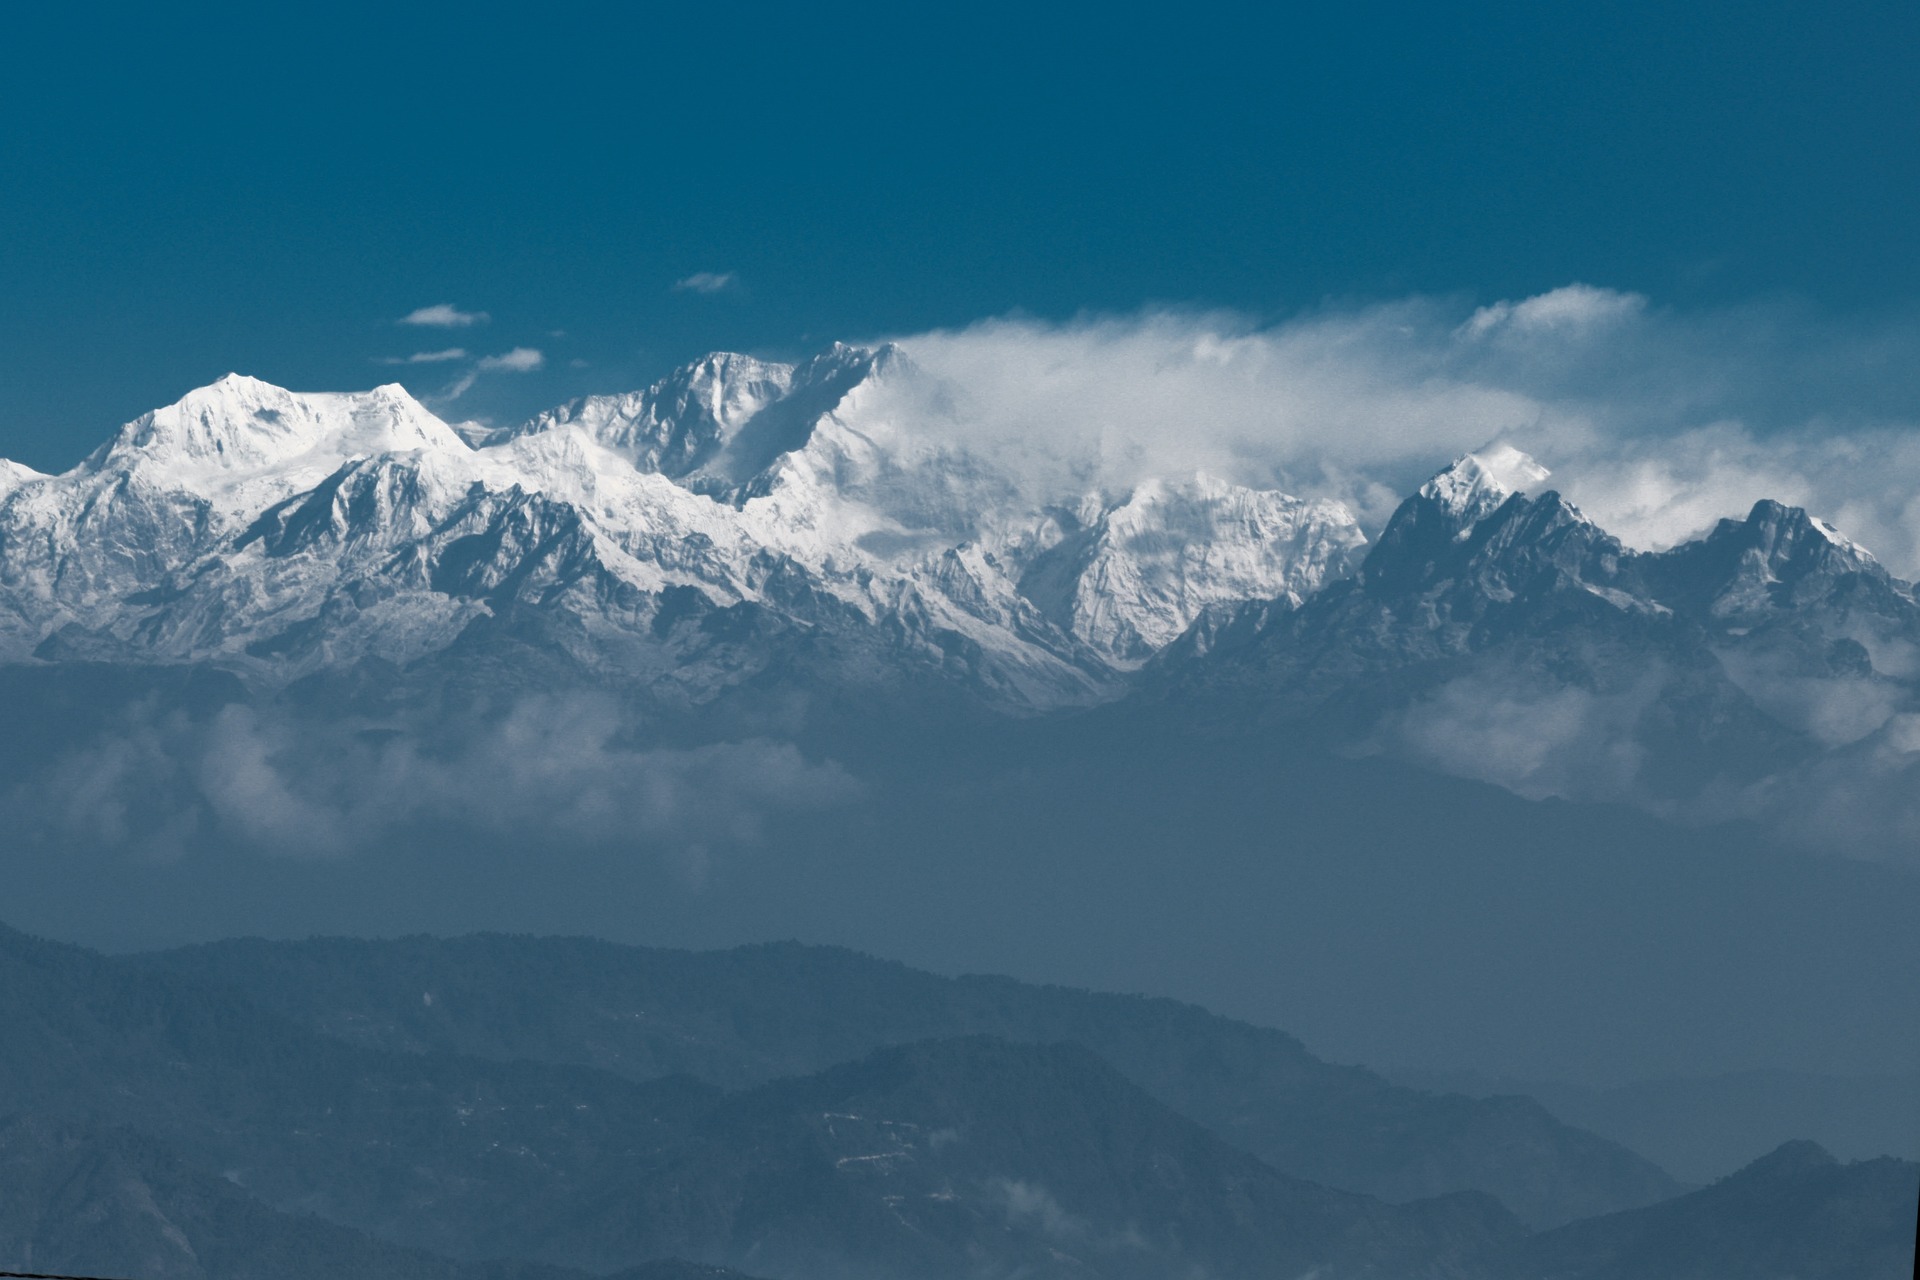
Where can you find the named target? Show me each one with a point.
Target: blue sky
(272, 188)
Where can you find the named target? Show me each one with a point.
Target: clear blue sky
(269, 187)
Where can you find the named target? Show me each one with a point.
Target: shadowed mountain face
(1003, 1154)
(82, 1199)
(85, 1200)
(743, 1017)
(1796, 1213)
(929, 1159)
(1701, 1128)
(957, 1156)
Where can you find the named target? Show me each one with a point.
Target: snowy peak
(818, 387)
(240, 427)
(1473, 535)
(1446, 516)
(680, 421)
(721, 420)
(1475, 485)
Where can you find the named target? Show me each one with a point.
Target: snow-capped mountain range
(744, 525)
(687, 535)
(276, 533)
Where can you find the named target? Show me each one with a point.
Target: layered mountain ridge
(410, 1109)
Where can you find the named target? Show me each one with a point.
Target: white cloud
(428, 357)
(518, 360)
(707, 282)
(444, 315)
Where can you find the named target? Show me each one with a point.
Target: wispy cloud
(518, 360)
(428, 357)
(444, 315)
(707, 282)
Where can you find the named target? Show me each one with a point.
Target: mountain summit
(1477, 483)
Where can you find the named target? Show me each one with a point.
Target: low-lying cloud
(553, 768)
(1535, 739)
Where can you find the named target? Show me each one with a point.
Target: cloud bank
(1656, 422)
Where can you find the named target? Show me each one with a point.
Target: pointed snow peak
(819, 387)
(1202, 489)
(1445, 514)
(1476, 484)
(394, 393)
